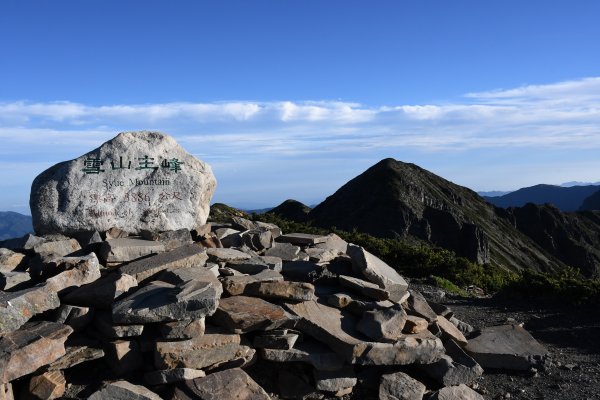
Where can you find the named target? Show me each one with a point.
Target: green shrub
(417, 259)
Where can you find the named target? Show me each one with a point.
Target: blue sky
(290, 99)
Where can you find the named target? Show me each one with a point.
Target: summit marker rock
(135, 181)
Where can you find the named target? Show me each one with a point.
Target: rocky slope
(395, 199)
(573, 238)
(591, 203)
(294, 316)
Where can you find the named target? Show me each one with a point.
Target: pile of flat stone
(232, 310)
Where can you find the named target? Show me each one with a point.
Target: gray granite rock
(58, 248)
(460, 392)
(506, 347)
(454, 368)
(301, 239)
(226, 255)
(337, 329)
(333, 381)
(118, 251)
(104, 325)
(137, 180)
(314, 353)
(24, 243)
(123, 390)
(163, 302)
(181, 257)
(258, 239)
(400, 386)
(383, 325)
(378, 272)
(18, 307)
(283, 339)
(285, 251)
(15, 280)
(364, 288)
(170, 239)
(299, 291)
(418, 306)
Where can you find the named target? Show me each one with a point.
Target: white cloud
(558, 115)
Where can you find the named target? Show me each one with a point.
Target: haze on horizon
(292, 99)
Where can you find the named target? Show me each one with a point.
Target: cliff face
(396, 199)
(573, 238)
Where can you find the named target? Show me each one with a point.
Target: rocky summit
(206, 321)
(135, 181)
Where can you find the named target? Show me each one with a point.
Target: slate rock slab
(400, 386)
(199, 352)
(16, 308)
(231, 384)
(378, 272)
(163, 302)
(181, 257)
(34, 345)
(337, 329)
(505, 347)
(135, 181)
(241, 314)
(123, 390)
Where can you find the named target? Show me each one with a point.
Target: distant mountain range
(395, 199)
(565, 198)
(14, 225)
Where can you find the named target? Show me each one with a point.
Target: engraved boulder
(136, 181)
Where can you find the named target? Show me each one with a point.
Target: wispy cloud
(557, 114)
(559, 118)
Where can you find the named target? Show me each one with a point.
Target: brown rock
(200, 352)
(123, 390)
(83, 270)
(231, 384)
(186, 329)
(49, 385)
(449, 331)
(74, 355)
(415, 324)
(59, 248)
(9, 260)
(299, 291)
(241, 314)
(35, 345)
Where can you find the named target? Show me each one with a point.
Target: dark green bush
(417, 259)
